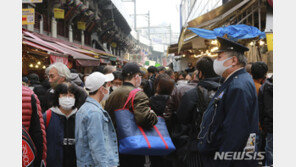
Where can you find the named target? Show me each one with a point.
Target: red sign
(28, 154)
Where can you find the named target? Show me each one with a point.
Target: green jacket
(144, 116)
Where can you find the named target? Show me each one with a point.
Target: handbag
(133, 139)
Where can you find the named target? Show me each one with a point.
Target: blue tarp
(234, 32)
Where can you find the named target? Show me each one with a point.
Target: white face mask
(138, 82)
(67, 102)
(106, 96)
(219, 68)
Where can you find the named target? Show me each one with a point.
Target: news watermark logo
(239, 156)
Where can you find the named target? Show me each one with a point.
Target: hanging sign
(81, 25)
(113, 45)
(269, 40)
(31, 1)
(59, 13)
(28, 16)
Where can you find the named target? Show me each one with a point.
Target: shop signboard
(58, 13)
(31, 1)
(81, 25)
(28, 16)
(269, 40)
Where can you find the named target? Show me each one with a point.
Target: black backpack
(28, 149)
(204, 98)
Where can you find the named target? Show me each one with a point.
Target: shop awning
(88, 63)
(80, 48)
(75, 55)
(32, 44)
(76, 49)
(213, 18)
(174, 48)
(37, 40)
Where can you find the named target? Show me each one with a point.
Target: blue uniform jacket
(231, 116)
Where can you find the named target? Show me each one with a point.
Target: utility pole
(135, 16)
(170, 34)
(149, 28)
(135, 12)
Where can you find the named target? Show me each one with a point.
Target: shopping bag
(133, 139)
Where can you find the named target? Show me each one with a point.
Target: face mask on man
(219, 68)
(106, 96)
(138, 81)
(66, 102)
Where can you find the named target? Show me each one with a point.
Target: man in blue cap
(230, 123)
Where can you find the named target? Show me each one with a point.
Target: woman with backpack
(60, 126)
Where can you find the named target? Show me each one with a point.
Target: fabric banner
(269, 40)
(54, 59)
(233, 32)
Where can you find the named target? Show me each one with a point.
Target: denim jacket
(96, 141)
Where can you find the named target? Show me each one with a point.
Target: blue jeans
(269, 149)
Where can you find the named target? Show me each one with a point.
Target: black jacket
(158, 103)
(189, 100)
(60, 135)
(185, 113)
(265, 98)
(40, 91)
(148, 86)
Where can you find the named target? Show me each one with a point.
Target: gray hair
(108, 69)
(240, 57)
(62, 69)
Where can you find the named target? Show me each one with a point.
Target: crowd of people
(212, 106)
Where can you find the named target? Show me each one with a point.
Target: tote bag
(133, 139)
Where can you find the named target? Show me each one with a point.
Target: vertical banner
(81, 25)
(28, 16)
(269, 40)
(58, 13)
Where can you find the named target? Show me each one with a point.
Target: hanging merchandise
(234, 32)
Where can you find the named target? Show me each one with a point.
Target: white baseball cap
(96, 79)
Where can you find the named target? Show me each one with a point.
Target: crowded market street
(138, 83)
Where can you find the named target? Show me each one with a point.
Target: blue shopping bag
(134, 139)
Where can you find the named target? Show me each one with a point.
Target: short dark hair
(99, 69)
(93, 93)
(165, 84)
(169, 72)
(205, 65)
(160, 68)
(64, 88)
(130, 77)
(183, 73)
(259, 70)
(117, 75)
(152, 69)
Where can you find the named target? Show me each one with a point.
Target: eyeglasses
(50, 76)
